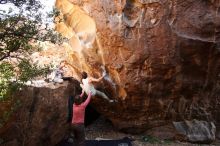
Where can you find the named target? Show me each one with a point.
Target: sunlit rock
(161, 56)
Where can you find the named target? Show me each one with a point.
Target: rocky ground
(103, 129)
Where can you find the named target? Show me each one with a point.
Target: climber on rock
(87, 86)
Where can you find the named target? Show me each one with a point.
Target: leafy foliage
(19, 32)
(6, 72)
(19, 2)
(29, 71)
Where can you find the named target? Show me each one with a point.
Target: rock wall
(162, 58)
(41, 119)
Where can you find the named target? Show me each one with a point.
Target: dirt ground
(102, 129)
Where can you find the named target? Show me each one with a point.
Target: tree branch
(5, 56)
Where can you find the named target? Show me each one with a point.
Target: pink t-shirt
(79, 111)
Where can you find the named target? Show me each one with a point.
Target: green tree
(19, 33)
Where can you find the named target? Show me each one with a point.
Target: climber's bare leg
(103, 95)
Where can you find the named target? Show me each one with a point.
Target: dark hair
(63, 61)
(78, 100)
(84, 75)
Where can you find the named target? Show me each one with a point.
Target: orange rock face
(162, 57)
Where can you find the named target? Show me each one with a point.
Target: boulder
(161, 57)
(41, 118)
(11, 143)
(196, 131)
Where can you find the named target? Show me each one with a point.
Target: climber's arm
(87, 100)
(81, 95)
(83, 91)
(91, 79)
